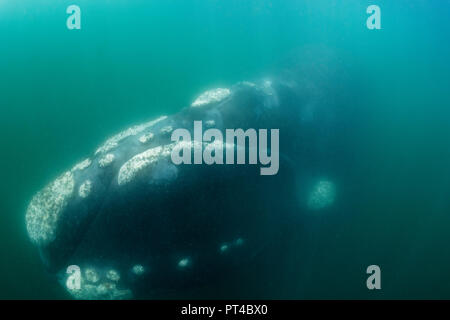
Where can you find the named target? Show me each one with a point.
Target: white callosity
(129, 169)
(113, 275)
(215, 95)
(45, 208)
(166, 129)
(132, 167)
(138, 269)
(225, 247)
(146, 137)
(82, 165)
(136, 164)
(103, 291)
(110, 291)
(322, 195)
(183, 263)
(91, 275)
(113, 142)
(85, 189)
(210, 123)
(106, 160)
(97, 286)
(186, 144)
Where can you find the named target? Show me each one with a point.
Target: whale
(136, 224)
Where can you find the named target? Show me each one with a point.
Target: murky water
(62, 92)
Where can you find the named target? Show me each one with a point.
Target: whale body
(136, 224)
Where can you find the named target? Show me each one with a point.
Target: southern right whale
(136, 224)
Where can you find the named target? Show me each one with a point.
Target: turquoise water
(62, 92)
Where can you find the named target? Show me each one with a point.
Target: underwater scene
(224, 149)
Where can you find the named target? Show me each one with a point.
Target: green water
(62, 92)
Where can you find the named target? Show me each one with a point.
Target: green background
(62, 92)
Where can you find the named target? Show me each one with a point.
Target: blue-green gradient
(62, 92)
